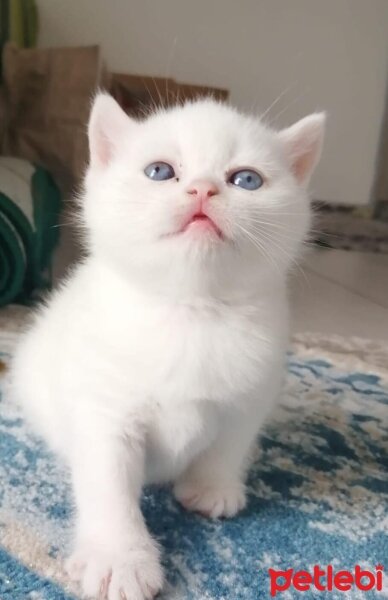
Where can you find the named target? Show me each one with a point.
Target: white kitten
(162, 354)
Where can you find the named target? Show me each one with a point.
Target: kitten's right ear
(108, 124)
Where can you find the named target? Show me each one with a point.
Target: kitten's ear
(108, 124)
(303, 144)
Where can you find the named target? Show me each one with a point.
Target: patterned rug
(318, 493)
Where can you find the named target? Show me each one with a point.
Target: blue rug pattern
(318, 495)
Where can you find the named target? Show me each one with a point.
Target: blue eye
(246, 179)
(159, 171)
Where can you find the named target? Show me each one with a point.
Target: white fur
(161, 355)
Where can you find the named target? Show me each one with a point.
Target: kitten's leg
(214, 484)
(115, 556)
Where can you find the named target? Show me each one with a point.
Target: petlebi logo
(325, 579)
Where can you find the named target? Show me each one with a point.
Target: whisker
(270, 225)
(289, 105)
(270, 239)
(263, 210)
(312, 231)
(277, 99)
(266, 233)
(260, 248)
(162, 103)
(153, 105)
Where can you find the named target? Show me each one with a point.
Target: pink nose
(203, 189)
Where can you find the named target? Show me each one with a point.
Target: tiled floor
(342, 292)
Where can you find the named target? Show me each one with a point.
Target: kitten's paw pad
(135, 574)
(211, 500)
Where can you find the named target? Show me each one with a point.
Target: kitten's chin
(203, 227)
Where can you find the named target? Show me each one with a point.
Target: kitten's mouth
(201, 222)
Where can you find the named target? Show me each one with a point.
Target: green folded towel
(30, 204)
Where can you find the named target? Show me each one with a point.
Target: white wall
(328, 54)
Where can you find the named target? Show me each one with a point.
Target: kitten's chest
(190, 353)
(176, 434)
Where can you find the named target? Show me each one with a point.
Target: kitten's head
(199, 192)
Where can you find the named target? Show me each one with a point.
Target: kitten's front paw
(211, 500)
(135, 574)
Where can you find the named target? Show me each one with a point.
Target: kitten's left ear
(108, 124)
(303, 144)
